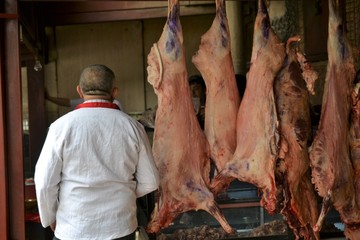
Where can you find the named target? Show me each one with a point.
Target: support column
(3, 176)
(233, 12)
(11, 115)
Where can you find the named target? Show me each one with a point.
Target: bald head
(97, 80)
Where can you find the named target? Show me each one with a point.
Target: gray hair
(97, 79)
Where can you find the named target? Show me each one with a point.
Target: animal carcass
(355, 137)
(257, 121)
(297, 198)
(180, 149)
(332, 170)
(214, 62)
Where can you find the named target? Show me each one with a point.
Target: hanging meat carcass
(214, 62)
(355, 147)
(332, 170)
(180, 149)
(296, 194)
(355, 134)
(257, 121)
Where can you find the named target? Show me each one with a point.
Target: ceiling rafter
(77, 12)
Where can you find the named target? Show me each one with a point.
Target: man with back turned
(95, 162)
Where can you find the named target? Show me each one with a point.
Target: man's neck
(95, 97)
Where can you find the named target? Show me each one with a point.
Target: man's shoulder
(64, 119)
(131, 120)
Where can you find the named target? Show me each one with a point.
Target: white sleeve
(47, 178)
(146, 175)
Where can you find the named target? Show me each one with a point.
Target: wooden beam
(128, 1)
(3, 175)
(119, 15)
(8, 15)
(99, 6)
(13, 125)
(102, 6)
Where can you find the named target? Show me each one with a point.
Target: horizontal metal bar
(239, 205)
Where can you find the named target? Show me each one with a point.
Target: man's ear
(114, 93)
(78, 89)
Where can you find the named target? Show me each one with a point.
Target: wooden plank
(94, 17)
(8, 15)
(3, 176)
(99, 6)
(129, 1)
(13, 123)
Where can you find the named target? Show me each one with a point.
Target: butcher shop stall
(251, 108)
(266, 163)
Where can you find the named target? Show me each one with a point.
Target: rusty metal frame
(12, 214)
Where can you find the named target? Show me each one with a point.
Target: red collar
(98, 105)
